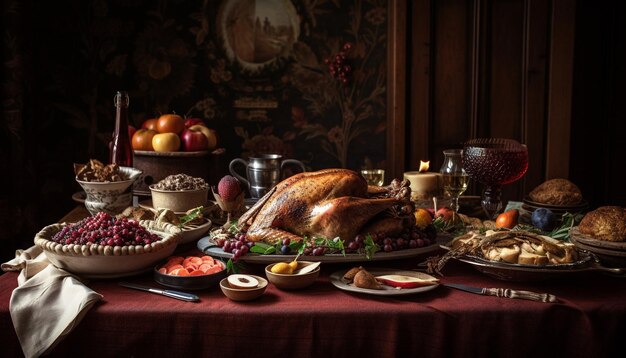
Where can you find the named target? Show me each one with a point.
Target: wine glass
(374, 176)
(494, 162)
(454, 176)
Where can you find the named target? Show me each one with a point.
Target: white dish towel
(48, 302)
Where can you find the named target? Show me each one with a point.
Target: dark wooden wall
(520, 69)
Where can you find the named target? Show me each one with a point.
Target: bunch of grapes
(411, 239)
(236, 245)
(104, 229)
(339, 66)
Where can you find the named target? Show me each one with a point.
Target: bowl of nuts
(179, 193)
(102, 246)
(107, 187)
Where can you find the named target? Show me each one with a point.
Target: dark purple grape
(388, 248)
(285, 249)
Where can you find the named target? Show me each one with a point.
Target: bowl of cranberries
(103, 246)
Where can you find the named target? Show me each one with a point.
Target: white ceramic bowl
(103, 261)
(239, 294)
(179, 201)
(110, 197)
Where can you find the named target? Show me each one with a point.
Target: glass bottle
(454, 177)
(121, 149)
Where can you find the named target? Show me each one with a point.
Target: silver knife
(184, 296)
(505, 292)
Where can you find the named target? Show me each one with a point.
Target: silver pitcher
(262, 172)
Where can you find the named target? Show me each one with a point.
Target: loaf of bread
(605, 223)
(560, 192)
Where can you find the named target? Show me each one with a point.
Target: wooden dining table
(322, 320)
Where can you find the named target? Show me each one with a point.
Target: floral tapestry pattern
(305, 79)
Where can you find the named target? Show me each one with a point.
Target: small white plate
(79, 197)
(337, 280)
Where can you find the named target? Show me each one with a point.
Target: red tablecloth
(325, 321)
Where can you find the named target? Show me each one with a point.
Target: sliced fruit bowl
(193, 272)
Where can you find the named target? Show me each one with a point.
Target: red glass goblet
(494, 162)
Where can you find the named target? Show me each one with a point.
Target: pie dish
(104, 261)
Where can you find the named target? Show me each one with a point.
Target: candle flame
(424, 166)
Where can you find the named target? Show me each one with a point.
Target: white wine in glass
(374, 176)
(454, 177)
(455, 184)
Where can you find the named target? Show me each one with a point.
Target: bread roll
(561, 192)
(605, 223)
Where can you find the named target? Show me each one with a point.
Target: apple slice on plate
(403, 281)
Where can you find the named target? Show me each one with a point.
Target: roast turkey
(328, 203)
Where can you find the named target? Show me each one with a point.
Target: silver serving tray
(518, 272)
(207, 246)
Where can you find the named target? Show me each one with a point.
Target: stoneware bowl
(243, 294)
(292, 281)
(179, 201)
(104, 261)
(199, 282)
(110, 197)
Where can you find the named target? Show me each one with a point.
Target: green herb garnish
(262, 248)
(370, 247)
(191, 215)
(568, 221)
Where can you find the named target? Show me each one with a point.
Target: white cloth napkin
(48, 302)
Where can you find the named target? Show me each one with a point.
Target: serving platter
(207, 246)
(518, 272)
(532, 205)
(193, 232)
(589, 240)
(336, 278)
(147, 204)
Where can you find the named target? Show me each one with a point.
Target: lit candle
(424, 185)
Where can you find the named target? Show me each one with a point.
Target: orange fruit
(508, 219)
(170, 123)
(142, 139)
(422, 218)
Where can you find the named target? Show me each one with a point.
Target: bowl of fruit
(191, 272)
(293, 275)
(102, 246)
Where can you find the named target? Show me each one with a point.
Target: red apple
(446, 213)
(131, 131)
(150, 124)
(194, 140)
(193, 121)
(209, 133)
